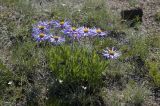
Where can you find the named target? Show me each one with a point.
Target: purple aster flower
(84, 31)
(72, 32)
(41, 27)
(41, 37)
(111, 53)
(61, 24)
(56, 40)
(98, 32)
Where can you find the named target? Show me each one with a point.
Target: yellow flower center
(98, 30)
(41, 35)
(55, 38)
(41, 27)
(86, 30)
(62, 22)
(73, 28)
(111, 52)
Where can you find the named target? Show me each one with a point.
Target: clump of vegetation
(157, 16)
(152, 62)
(8, 84)
(78, 70)
(132, 94)
(5, 79)
(136, 95)
(154, 73)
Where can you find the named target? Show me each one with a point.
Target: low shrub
(78, 72)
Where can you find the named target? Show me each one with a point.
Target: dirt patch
(149, 7)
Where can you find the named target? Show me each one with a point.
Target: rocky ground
(149, 7)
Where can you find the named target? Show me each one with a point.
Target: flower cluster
(45, 31)
(56, 32)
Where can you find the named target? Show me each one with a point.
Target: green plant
(154, 72)
(139, 47)
(27, 55)
(152, 61)
(8, 93)
(76, 69)
(154, 41)
(6, 76)
(111, 97)
(157, 16)
(117, 70)
(134, 94)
